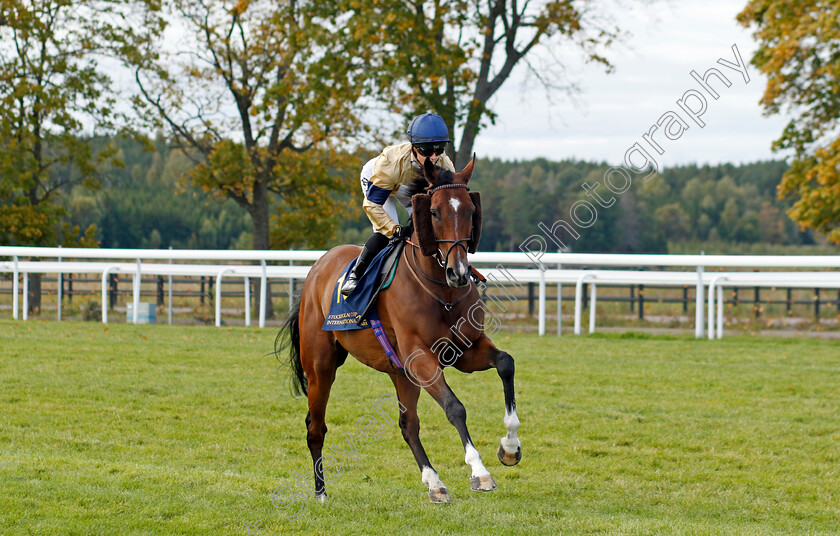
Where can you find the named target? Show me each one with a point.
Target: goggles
(428, 149)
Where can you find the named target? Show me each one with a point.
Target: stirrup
(349, 284)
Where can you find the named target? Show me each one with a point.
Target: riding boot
(373, 246)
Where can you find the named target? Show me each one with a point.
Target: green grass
(130, 430)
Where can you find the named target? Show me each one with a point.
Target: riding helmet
(428, 128)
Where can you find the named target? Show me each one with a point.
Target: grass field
(130, 430)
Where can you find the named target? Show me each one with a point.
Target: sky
(652, 72)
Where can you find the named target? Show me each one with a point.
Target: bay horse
(436, 323)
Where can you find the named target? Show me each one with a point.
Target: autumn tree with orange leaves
(259, 95)
(799, 51)
(453, 56)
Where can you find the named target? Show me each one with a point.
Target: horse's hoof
(482, 483)
(322, 497)
(509, 459)
(439, 495)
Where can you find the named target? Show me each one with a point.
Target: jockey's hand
(404, 231)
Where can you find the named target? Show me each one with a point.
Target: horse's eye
(435, 214)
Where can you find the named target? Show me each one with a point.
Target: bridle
(442, 259)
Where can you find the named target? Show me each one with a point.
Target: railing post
(222, 272)
(712, 308)
(698, 303)
(60, 289)
(136, 296)
(247, 301)
(15, 289)
(263, 293)
(579, 299)
(25, 295)
(712, 284)
(106, 281)
(559, 302)
(541, 321)
(169, 296)
(291, 288)
(592, 305)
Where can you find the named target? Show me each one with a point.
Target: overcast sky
(652, 71)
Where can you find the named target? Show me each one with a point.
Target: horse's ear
(430, 171)
(476, 222)
(466, 173)
(421, 214)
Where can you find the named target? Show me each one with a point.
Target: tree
(49, 88)
(452, 56)
(259, 93)
(673, 221)
(799, 52)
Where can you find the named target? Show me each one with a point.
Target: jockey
(388, 175)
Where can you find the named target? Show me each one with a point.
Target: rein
(446, 305)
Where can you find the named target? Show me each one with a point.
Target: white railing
(547, 268)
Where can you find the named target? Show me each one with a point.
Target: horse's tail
(289, 337)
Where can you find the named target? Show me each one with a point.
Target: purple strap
(385, 343)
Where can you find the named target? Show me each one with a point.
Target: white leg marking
(510, 442)
(473, 459)
(430, 477)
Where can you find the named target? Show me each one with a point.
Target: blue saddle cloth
(347, 313)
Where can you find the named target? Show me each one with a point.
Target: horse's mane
(419, 185)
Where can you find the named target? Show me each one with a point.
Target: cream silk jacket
(393, 168)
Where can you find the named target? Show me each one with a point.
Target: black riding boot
(373, 246)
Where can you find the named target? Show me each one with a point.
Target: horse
(433, 324)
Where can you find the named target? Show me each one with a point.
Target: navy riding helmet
(428, 128)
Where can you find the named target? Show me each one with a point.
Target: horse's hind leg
(408, 393)
(320, 358)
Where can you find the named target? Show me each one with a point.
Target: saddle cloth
(357, 311)
(353, 311)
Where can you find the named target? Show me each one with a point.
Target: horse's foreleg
(408, 393)
(430, 376)
(481, 356)
(510, 450)
(480, 479)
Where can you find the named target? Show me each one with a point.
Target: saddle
(357, 311)
(385, 275)
(354, 311)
